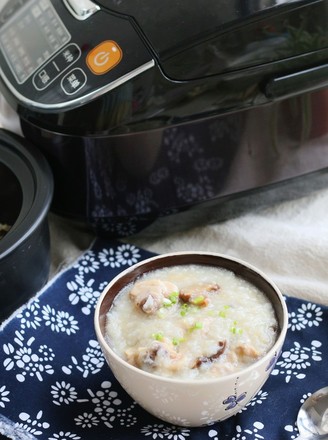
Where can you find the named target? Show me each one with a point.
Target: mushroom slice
(208, 359)
(198, 294)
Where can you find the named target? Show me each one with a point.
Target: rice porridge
(191, 321)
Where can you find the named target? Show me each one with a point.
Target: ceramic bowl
(189, 402)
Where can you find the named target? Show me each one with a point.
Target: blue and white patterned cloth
(56, 385)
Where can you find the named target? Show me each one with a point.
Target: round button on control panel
(104, 57)
(73, 81)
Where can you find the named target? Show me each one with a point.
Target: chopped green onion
(198, 300)
(177, 341)
(184, 309)
(174, 297)
(167, 302)
(223, 313)
(197, 326)
(158, 336)
(236, 330)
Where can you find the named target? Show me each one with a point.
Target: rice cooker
(145, 109)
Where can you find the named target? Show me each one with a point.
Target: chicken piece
(198, 294)
(208, 359)
(150, 295)
(158, 355)
(246, 351)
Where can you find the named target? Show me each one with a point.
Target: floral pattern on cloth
(56, 385)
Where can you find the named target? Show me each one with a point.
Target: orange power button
(104, 57)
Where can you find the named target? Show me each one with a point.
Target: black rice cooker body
(229, 99)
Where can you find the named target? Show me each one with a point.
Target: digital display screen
(31, 36)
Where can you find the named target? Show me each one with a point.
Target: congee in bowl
(191, 321)
(186, 332)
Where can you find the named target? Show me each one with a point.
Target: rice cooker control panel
(53, 57)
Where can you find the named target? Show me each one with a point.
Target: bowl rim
(192, 382)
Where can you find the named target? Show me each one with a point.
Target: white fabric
(288, 240)
(8, 117)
